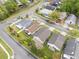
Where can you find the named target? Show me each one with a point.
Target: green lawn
(8, 49)
(3, 55)
(74, 33)
(26, 41)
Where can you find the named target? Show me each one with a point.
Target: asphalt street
(19, 53)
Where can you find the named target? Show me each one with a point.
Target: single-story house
(41, 36)
(49, 7)
(45, 12)
(23, 24)
(55, 2)
(71, 19)
(69, 50)
(56, 42)
(33, 28)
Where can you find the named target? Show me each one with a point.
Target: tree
(54, 15)
(24, 2)
(3, 12)
(11, 6)
(71, 6)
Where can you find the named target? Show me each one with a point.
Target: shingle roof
(57, 39)
(70, 47)
(35, 25)
(50, 7)
(24, 23)
(71, 18)
(43, 34)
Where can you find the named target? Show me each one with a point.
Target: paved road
(57, 26)
(18, 51)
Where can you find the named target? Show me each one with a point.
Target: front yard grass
(3, 55)
(8, 49)
(26, 41)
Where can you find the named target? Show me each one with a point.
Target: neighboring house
(69, 50)
(56, 42)
(45, 12)
(77, 50)
(49, 7)
(41, 36)
(62, 17)
(33, 28)
(23, 24)
(71, 19)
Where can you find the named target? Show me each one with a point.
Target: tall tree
(24, 2)
(11, 6)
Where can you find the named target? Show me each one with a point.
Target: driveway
(19, 52)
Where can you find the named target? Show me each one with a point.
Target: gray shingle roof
(57, 39)
(70, 47)
(43, 34)
(24, 23)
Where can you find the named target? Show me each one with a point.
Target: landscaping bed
(26, 41)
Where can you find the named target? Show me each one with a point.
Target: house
(23, 24)
(49, 7)
(77, 50)
(71, 19)
(55, 2)
(45, 12)
(33, 28)
(56, 42)
(62, 17)
(69, 50)
(41, 36)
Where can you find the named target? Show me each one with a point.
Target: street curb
(12, 57)
(32, 54)
(27, 8)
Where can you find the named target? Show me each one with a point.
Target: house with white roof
(45, 12)
(71, 20)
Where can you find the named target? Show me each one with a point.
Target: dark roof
(24, 23)
(57, 39)
(43, 34)
(50, 7)
(70, 47)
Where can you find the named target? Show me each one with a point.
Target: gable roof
(43, 34)
(49, 7)
(57, 39)
(35, 25)
(70, 47)
(45, 11)
(24, 23)
(71, 18)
